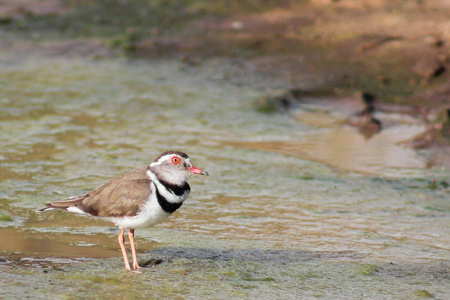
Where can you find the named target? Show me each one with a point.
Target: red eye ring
(175, 160)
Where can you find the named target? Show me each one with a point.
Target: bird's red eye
(176, 160)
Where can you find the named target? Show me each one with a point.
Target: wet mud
(235, 274)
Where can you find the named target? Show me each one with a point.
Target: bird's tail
(63, 204)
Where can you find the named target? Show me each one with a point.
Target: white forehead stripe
(161, 159)
(167, 157)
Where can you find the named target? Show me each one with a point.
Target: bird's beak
(195, 170)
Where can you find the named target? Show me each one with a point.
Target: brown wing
(117, 199)
(121, 196)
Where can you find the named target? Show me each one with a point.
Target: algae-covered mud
(266, 223)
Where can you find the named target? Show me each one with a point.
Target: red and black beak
(195, 170)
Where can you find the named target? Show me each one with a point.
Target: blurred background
(324, 125)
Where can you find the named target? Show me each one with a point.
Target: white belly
(151, 214)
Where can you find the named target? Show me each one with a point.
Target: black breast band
(167, 206)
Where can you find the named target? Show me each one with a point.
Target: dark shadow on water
(256, 255)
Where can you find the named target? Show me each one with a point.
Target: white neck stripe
(170, 197)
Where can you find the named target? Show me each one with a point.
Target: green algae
(5, 217)
(367, 270)
(423, 294)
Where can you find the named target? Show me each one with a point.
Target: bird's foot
(135, 271)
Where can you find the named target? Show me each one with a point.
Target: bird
(140, 198)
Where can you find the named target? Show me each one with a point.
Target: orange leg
(121, 239)
(133, 249)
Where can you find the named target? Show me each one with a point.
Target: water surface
(277, 181)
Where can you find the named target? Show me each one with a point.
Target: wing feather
(121, 196)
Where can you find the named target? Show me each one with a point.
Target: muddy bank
(398, 51)
(395, 49)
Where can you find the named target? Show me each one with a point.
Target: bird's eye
(176, 160)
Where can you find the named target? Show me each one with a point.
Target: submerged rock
(276, 101)
(364, 120)
(437, 132)
(286, 99)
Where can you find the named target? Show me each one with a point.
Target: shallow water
(301, 183)
(69, 125)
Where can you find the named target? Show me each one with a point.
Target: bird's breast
(150, 215)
